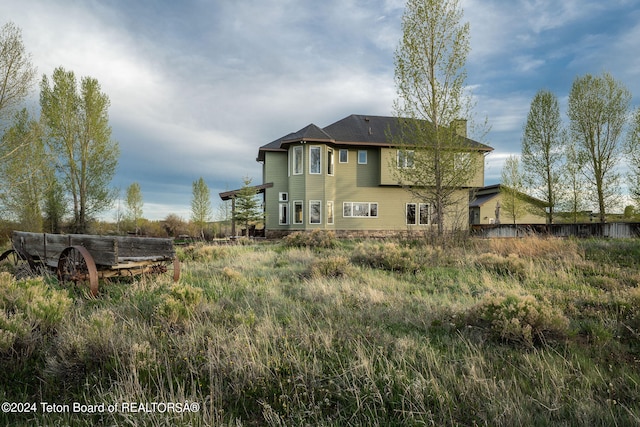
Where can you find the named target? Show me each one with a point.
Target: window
(418, 214)
(344, 155)
(297, 160)
(411, 213)
(329, 161)
(315, 208)
(297, 212)
(424, 214)
(362, 157)
(283, 214)
(360, 209)
(283, 197)
(405, 159)
(329, 212)
(314, 160)
(462, 161)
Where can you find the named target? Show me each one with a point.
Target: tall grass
(501, 333)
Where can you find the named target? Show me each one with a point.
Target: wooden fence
(612, 230)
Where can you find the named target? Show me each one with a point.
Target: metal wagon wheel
(20, 264)
(76, 265)
(169, 266)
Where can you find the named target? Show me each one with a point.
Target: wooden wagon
(88, 258)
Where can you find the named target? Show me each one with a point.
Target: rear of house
(339, 178)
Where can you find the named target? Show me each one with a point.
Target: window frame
(346, 155)
(362, 161)
(296, 204)
(298, 153)
(405, 159)
(331, 161)
(349, 209)
(284, 206)
(317, 203)
(330, 212)
(312, 162)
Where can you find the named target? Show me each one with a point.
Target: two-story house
(339, 178)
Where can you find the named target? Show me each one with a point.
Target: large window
(315, 160)
(315, 208)
(360, 209)
(297, 160)
(297, 212)
(418, 213)
(405, 159)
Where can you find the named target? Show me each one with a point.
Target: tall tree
(79, 136)
(24, 173)
(543, 149)
(17, 74)
(134, 205)
(513, 204)
(247, 207)
(201, 209)
(434, 161)
(598, 106)
(632, 154)
(574, 198)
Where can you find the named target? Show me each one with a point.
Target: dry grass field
(315, 331)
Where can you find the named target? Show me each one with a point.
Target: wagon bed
(84, 257)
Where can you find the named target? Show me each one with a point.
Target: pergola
(231, 195)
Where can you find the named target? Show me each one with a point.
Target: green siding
(351, 182)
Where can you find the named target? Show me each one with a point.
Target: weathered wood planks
(106, 251)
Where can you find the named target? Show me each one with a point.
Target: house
(487, 207)
(338, 178)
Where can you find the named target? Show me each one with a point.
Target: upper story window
(405, 159)
(362, 157)
(297, 160)
(330, 161)
(344, 155)
(315, 160)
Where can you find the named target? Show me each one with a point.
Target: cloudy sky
(197, 86)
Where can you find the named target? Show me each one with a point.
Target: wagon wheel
(168, 266)
(21, 265)
(76, 265)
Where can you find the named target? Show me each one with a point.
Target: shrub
(512, 265)
(179, 303)
(386, 256)
(517, 318)
(314, 239)
(333, 266)
(39, 305)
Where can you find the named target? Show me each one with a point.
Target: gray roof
(360, 130)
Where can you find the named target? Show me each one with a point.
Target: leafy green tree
(598, 107)
(247, 206)
(79, 136)
(17, 74)
(134, 205)
(574, 199)
(632, 154)
(543, 151)
(55, 204)
(512, 188)
(24, 172)
(434, 161)
(201, 209)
